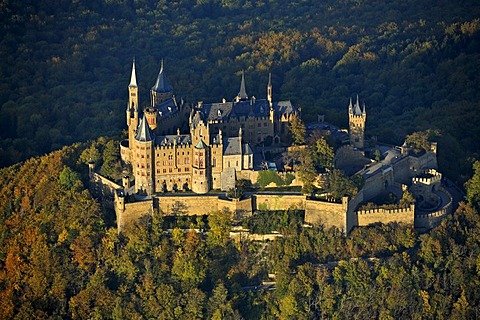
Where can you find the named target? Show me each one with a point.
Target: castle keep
(217, 145)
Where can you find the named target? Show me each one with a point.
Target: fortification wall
(403, 215)
(375, 184)
(246, 235)
(425, 161)
(239, 208)
(329, 214)
(431, 220)
(349, 159)
(133, 212)
(277, 202)
(401, 171)
(102, 186)
(190, 205)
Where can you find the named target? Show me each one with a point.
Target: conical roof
(242, 94)
(133, 78)
(162, 85)
(143, 132)
(357, 110)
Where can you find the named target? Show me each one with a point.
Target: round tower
(200, 181)
(151, 116)
(142, 159)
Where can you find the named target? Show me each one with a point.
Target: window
(164, 170)
(179, 169)
(169, 169)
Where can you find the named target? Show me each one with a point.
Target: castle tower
(357, 119)
(242, 94)
(142, 158)
(132, 107)
(161, 90)
(200, 176)
(269, 90)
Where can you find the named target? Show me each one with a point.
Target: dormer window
(219, 112)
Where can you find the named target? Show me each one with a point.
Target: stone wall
(132, 212)
(329, 214)
(190, 205)
(403, 215)
(431, 220)
(103, 187)
(239, 208)
(277, 202)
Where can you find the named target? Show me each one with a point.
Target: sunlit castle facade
(218, 143)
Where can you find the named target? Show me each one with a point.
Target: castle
(218, 149)
(218, 143)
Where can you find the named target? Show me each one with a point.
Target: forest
(65, 67)
(61, 257)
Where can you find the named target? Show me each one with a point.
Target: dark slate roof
(166, 108)
(170, 140)
(224, 110)
(283, 107)
(232, 147)
(162, 85)
(247, 149)
(143, 132)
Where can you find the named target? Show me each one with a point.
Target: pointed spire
(242, 94)
(357, 110)
(143, 132)
(133, 78)
(269, 89)
(364, 112)
(162, 85)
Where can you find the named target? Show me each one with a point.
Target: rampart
(103, 187)
(277, 202)
(433, 219)
(330, 214)
(369, 217)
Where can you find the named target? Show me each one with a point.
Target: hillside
(65, 67)
(59, 259)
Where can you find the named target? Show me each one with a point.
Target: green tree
(420, 141)
(473, 186)
(323, 153)
(69, 178)
(298, 130)
(220, 223)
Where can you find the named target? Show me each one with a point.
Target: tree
(473, 186)
(340, 185)
(323, 153)
(69, 178)
(220, 225)
(420, 141)
(298, 130)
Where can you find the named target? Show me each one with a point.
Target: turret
(132, 107)
(357, 118)
(142, 159)
(161, 90)
(200, 177)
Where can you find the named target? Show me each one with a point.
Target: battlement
(173, 146)
(386, 211)
(430, 176)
